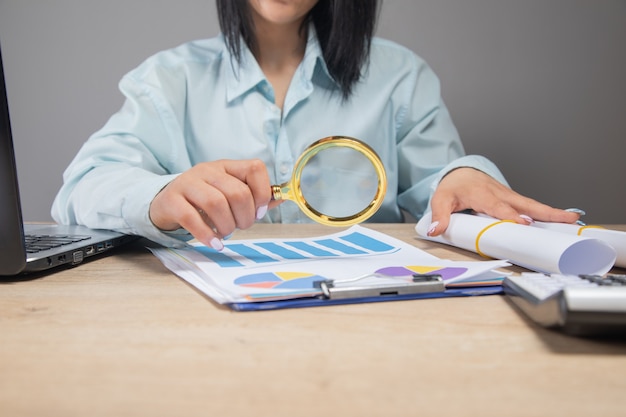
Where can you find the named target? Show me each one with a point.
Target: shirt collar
(313, 63)
(246, 76)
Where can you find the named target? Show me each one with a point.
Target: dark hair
(344, 29)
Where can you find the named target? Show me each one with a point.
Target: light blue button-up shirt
(195, 103)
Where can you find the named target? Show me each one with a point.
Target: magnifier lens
(339, 182)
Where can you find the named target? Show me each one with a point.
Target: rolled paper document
(534, 248)
(615, 238)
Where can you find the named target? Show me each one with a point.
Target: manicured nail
(260, 213)
(228, 236)
(576, 210)
(432, 228)
(217, 244)
(528, 219)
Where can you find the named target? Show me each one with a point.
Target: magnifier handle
(276, 193)
(282, 192)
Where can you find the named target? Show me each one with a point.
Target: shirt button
(284, 169)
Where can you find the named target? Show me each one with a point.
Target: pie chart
(279, 280)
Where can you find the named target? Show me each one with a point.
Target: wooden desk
(124, 336)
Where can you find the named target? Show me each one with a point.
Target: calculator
(581, 305)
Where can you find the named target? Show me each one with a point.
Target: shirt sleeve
(429, 145)
(118, 171)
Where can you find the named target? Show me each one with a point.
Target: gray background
(538, 86)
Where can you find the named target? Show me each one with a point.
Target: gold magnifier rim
(292, 190)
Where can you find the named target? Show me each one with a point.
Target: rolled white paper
(534, 248)
(615, 238)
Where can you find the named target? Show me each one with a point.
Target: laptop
(28, 248)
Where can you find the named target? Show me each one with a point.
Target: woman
(208, 126)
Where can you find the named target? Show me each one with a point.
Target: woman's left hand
(468, 188)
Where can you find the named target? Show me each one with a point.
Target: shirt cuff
(136, 212)
(470, 161)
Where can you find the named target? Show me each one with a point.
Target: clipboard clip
(419, 283)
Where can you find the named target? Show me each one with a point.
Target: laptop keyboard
(38, 243)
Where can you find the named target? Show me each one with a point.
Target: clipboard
(336, 293)
(322, 302)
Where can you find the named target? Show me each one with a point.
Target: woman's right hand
(212, 199)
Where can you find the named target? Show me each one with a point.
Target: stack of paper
(249, 271)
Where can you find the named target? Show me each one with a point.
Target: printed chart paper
(274, 269)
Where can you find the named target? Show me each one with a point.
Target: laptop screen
(12, 252)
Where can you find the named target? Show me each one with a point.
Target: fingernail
(576, 210)
(217, 244)
(528, 219)
(260, 213)
(228, 236)
(432, 228)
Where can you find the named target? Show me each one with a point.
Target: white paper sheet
(534, 248)
(615, 238)
(274, 269)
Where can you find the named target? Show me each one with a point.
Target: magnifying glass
(337, 181)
